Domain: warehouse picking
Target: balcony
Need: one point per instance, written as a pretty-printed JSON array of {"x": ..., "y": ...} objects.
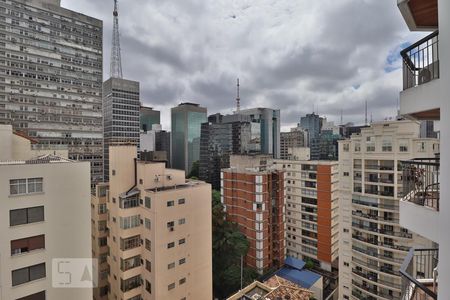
[
  {"x": 419, "y": 208},
  {"x": 420, "y": 98},
  {"x": 419, "y": 275}
]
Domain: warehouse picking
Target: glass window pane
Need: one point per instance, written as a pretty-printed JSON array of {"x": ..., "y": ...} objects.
[
  {"x": 17, "y": 217},
  {"x": 20, "y": 276},
  {"x": 36, "y": 214},
  {"x": 37, "y": 271}
]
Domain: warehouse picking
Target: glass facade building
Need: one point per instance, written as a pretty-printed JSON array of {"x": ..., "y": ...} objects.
[
  {"x": 148, "y": 118},
  {"x": 187, "y": 119}
]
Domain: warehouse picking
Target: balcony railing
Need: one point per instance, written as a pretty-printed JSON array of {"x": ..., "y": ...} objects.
[
  {"x": 419, "y": 275},
  {"x": 421, "y": 61},
  {"x": 421, "y": 182}
]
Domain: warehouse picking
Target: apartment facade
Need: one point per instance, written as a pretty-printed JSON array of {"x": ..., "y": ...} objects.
[
  {"x": 159, "y": 231},
  {"x": 99, "y": 229},
  {"x": 253, "y": 196},
  {"x": 372, "y": 243},
  {"x": 44, "y": 215},
  {"x": 187, "y": 119},
  {"x": 296, "y": 138},
  {"x": 312, "y": 211},
  {"x": 426, "y": 86},
  {"x": 121, "y": 116},
  {"x": 51, "y": 77}
]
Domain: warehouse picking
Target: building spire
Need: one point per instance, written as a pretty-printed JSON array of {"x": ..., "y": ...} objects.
[
  {"x": 238, "y": 99},
  {"x": 116, "y": 60}
]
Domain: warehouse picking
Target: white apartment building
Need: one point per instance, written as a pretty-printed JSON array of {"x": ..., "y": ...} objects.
[
  {"x": 44, "y": 214},
  {"x": 425, "y": 96},
  {"x": 372, "y": 244},
  {"x": 160, "y": 231}
]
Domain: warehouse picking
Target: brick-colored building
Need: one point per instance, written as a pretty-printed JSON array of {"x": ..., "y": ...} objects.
[{"x": 253, "y": 196}]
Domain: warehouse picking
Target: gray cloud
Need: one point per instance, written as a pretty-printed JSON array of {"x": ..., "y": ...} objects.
[{"x": 292, "y": 55}]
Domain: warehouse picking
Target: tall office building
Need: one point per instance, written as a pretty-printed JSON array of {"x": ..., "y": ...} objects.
[
  {"x": 148, "y": 118},
  {"x": 44, "y": 215},
  {"x": 426, "y": 86},
  {"x": 296, "y": 138},
  {"x": 325, "y": 146},
  {"x": 253, "y": 197},
  {"x": 51, "y": 77},
  {"x": 372, "y": 243},
  {"x": 427, "y": 129},
  {"x": 187, "y": 119},
  {"x": 121, "y": 107},
  {"x": 270, "y": 125},
  {"x": 159, "y": 225},
  {"x": 313, "y": 124}
]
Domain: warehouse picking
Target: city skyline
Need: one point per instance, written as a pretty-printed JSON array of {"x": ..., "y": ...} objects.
[{"x": 282, "y": 55}]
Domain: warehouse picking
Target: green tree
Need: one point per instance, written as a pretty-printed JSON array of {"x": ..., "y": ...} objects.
[
  {"x": 194, "y": 174},
  {"x": 229, "y": 244}
]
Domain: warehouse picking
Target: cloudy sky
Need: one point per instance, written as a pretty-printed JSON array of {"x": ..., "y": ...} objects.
[{"x": 296, "y": 55}]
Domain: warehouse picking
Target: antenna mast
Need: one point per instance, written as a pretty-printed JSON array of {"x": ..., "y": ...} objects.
[
  {"x": 116, "y": 60},
  {"x": 238, "y": 99},
  {"x": 365, "y": 123}
]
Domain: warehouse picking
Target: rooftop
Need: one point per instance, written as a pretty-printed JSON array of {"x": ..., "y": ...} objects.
[
  {"x": 175, "y": 187},
  {"x": 43, "y": 159},
  {"x": 294, "y": 271}
]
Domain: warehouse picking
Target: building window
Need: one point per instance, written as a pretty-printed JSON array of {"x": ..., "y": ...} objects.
[
  {"x": 130, "y": 222},
  {"x": 113, "y": 172},
  {"x": 26, "y": 215},
  {"x": 24, "y": 275},
  {"x": 170, "y": 203},
  {"x": 346, "y": 147},
  {"x": 102, "y": 208},
  {"x": 148, "y": 245},
  {"x": 357, "y": 147},
  {"x": 148, "y": 202},
  {"x": 130, "y": 243},
  {"x": 170, "y": 245},
  {"x": 182, "y": 241},
  {"x": 148, "y": 287},
  {"x": 403, "y": 145},
  {"x": 387, "y": 145},
  {"x": 182, "y": 261},
  {"x": 182, "y": 281},
  {"x": 346, "y": 174},
  {"x": 37, "y": 296},
  {"x": 27, "y": 244},
  {"x": 171, "y": 286},
  {"x": 181, "y": 201},
  {"x": 148, "y": 224},
  {"x": 171, "y": 266},
  {"x": 148, "y": 265},
  {"x": 182, "y": 221},
  {"x": 25, "y": 186}
]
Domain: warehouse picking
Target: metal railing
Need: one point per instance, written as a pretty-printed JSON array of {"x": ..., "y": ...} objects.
[
  {"x": 419, "y": 274},
  {"x": 421, "y": 61},
  {"x": 421, "y": 182}
]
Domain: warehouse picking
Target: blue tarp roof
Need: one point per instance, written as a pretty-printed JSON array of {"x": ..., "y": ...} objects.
[
  {"x": 304, "y": 278},
  {"x": 293, "y": 271},
  {"x": 294, "y": 263}
]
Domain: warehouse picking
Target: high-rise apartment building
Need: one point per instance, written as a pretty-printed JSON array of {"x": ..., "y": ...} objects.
[
  {"x": 44, "y": 215},
  {"x": 159, "y": 231},
  {"x": 187, "y": 119},
  {"x": 312, "y": 211},
  {"x": 372, "y": 243},
  {"x": 253, "y": 195},
  {"x": 149, "y": 117},
  {"x": 426, "y": 86},
  {"x": 296, "y": 138},
  {"x": 51, "y": 77},
  {"x": 121, "y": 118},
  {"x": 99, "y": 229},
  {"x": 270, "y": 124}
]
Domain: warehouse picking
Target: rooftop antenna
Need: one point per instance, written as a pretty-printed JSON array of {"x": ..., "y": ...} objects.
[
  {"x": 342, "y": 117},
  {"x": 238, "y": 99},
  {"x": 371, "y": 118},
  {"x": 365, "y": 121},
  {"x": 116, "y": 60}
]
